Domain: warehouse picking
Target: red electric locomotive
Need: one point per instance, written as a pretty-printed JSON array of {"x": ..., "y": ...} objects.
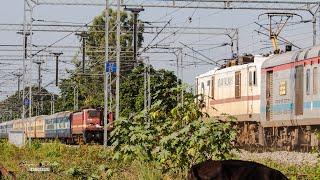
[{"x": 86, "y": 126}]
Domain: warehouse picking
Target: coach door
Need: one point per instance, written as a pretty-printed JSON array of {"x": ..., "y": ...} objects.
[
  {"x": 299, "y": 91},
  {"x": 269, "y": 95}
]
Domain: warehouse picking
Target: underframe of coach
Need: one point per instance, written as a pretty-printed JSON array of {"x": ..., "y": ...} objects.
[{"x": 282, "y": 135}]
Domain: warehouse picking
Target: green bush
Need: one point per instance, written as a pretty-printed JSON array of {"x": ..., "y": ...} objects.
[
  {"x": 36, "y": 144},
  {"x": 174, "y": 139}
]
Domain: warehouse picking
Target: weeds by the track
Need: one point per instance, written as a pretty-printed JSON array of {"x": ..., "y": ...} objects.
[{"x": 95, "y": 162}]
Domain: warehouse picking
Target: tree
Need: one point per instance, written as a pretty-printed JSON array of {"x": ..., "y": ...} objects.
[
  {"x": 12, "y": 106},
  {"x": 90, "y": 84},
  {"x": 164, "y": 87}
]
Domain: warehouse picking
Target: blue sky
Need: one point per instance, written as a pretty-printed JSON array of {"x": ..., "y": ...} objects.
[{"x": 250, "y": 41}]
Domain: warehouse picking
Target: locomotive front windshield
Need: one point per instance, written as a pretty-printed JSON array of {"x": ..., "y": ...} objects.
[{"x": 93, "y": 114}]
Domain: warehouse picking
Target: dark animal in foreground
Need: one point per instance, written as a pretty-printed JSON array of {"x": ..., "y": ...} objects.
[
  {"x": 233, "y": 170},
  {"x": 4, "y": 173}
]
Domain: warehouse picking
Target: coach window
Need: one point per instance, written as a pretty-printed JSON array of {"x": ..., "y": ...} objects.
[
  {"x": 212, "y": 87},
  {"x": 308, "y": 82},
  {"x": 238, "y": 84},
  {"x": 283, "y": 88},
  {"x": 202, "y": 88},
  {"x": 252, "y": 78},
  {"x": 197, "y": 86},
  {"x": 315, "y": 80},
  {"x": 202, "y": 91}
]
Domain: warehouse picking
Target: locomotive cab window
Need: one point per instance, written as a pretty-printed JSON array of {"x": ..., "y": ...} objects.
[{"x": 93, "y": 113}]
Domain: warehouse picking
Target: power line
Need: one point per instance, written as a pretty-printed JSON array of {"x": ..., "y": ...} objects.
[
  {"x": 211, "y": 61},
  {"x": 148, "y": 46}
]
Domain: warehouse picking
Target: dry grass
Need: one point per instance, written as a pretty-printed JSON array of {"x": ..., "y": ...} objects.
[{"x": 94, "y": 162}]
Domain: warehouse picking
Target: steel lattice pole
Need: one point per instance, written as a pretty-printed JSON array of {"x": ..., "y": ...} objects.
[
  {"x": 106, "y": 76},
  {"x": 118, "y": 62}
]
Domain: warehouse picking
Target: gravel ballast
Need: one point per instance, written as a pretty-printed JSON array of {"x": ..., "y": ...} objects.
[{"x": 283, "y": 157}]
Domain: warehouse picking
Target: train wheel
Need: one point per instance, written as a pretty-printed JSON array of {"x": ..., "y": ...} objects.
[
  {"x": 85, "y": 138},
  {"x": 80, "y": 140}
]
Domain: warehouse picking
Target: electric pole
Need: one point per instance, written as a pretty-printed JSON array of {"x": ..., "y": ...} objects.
[
  {"x": 109, "y": 68},
  {"x": 83, "y": 35},
  {"x": 27, "y": 70},
  {"x": 57, "y": 66},
  {"x": 147, "y": 88},
  {"x": 314, "y": 24},
  {"x": 135, "y": 12},
  {"x": 52, "y": 103},
  {"x": 181, "y": 74},
  {"x": 39, "y": 74},
  {"x": 178, "y": 72},
  {"x": 75, "y": 97},
  {"x": 19, "y": 75},
  {"x": 25, "y": 34},
  {"x": 179, "y": 64},
  {"x": 118, "y": 62},
  {"x": 106, "y": 77},
  {"x": 39, "y": 97},
  {"x": 149, "y": 85}
]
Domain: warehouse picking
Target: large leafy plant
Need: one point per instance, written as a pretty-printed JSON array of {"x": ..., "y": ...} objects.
[{"x": 175, "y": 138}]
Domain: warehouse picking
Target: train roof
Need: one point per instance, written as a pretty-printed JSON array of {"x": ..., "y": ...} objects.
[
  {"x": 32, "y": 118},
  {"x": 59, "y": 114},
  {"x": 292, "y": 56},
  {"x": 3, "y": 123},
  {"x": 258, "y": 59}
]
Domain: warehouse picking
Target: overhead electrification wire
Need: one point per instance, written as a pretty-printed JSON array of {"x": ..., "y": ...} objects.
[
  {"x": 32, "y": 55},
  {"x": 155, "y": 37},
  {"x": 210, "y": 60}
]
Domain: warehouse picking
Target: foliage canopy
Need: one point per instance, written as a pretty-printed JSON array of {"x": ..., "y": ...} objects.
[{"x": 175, "y": 139}]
